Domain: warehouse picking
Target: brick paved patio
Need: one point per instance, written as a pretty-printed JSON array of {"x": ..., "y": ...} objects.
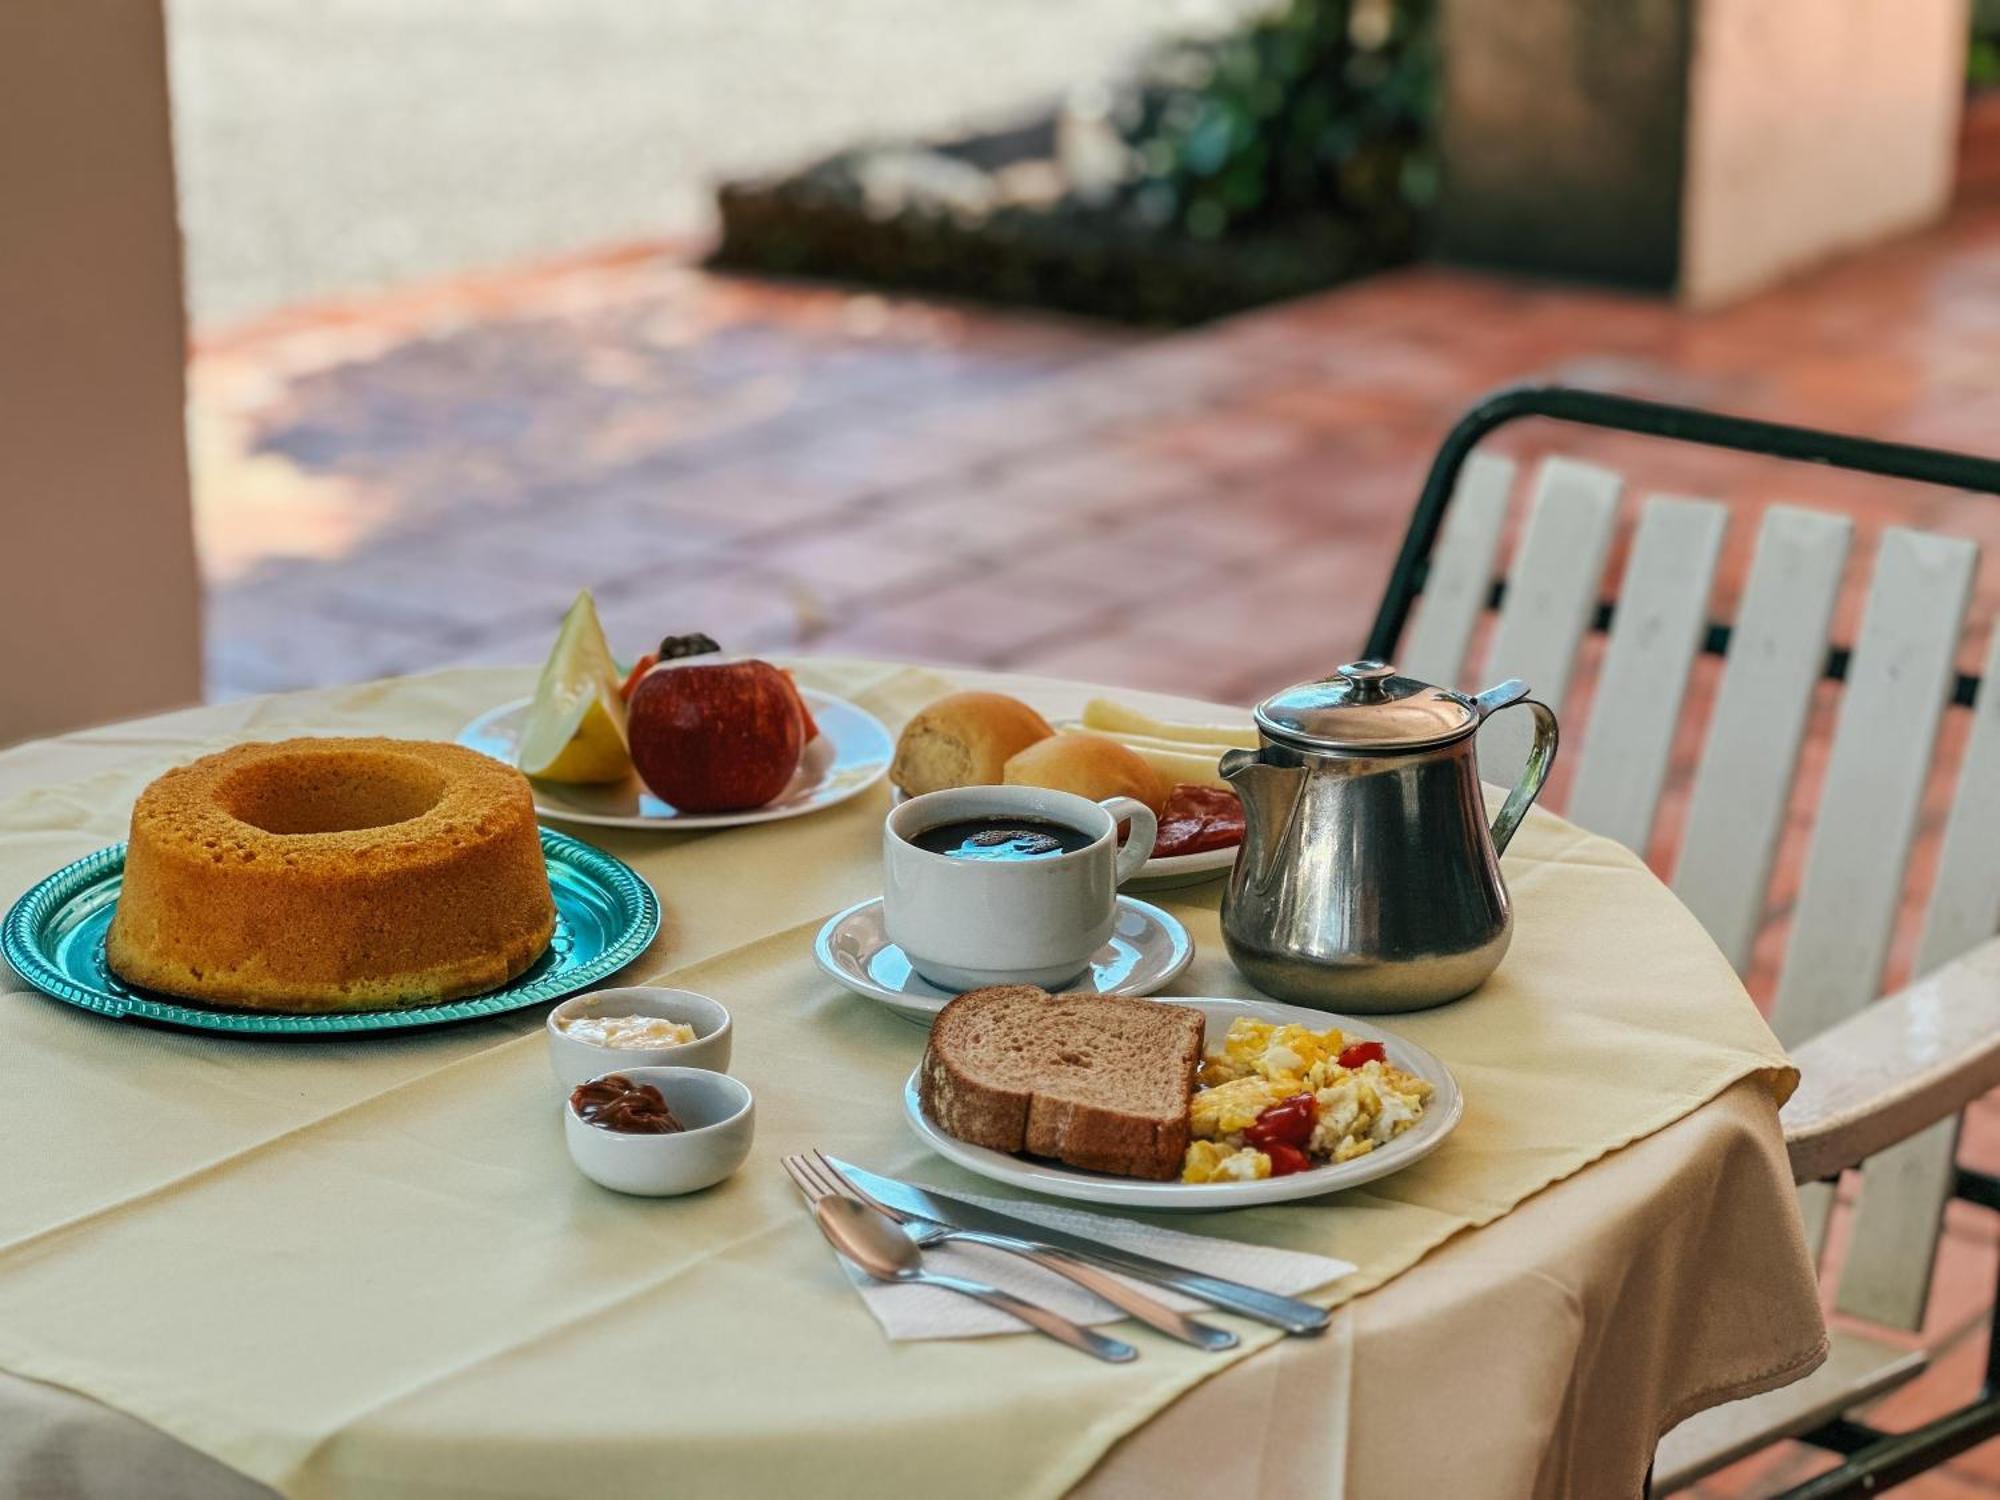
[
  {"x": 409, "y": 484},
  {"x": 430, "y": 481}
]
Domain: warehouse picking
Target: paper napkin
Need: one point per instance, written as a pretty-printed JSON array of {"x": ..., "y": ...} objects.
[{"x": 921, "y": 1312}]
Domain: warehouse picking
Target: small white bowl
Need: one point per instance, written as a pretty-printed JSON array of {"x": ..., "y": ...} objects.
[
  {"x": 720, "y": 1118},
  {"x": 577, "y": 1061}
]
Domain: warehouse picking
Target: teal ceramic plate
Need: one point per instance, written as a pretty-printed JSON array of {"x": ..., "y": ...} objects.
[{"x": 54, "y": 938}]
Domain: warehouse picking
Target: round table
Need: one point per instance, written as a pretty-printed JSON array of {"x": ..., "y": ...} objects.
[{"x": 1541, "y": 1354}]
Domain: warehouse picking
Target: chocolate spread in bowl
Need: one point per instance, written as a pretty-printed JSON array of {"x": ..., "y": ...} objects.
[{"x": 615, "y": 1102}]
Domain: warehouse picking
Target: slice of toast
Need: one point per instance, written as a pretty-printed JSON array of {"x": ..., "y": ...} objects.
[{"x": 1096, "y": 1082}]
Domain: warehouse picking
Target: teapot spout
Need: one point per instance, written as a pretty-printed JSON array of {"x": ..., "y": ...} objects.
[{"x": 1268, "y": 793}]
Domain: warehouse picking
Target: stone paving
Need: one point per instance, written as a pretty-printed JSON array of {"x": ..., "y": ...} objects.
[{"x": 428, "y": 481}]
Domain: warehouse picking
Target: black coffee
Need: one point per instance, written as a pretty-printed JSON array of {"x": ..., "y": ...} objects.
[{"x": 992, "y": 838}]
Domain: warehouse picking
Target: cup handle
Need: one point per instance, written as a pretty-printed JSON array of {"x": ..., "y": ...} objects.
[{"x": 1145, "y": 831}]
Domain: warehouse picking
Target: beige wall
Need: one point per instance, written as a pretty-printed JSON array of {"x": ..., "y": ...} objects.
[
  {"x": 1814, "y": 126},
  {"x": 99, "y": 601}
]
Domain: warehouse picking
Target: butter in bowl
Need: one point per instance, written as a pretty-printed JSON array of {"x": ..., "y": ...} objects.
[{"x": 638, "y": 1026}]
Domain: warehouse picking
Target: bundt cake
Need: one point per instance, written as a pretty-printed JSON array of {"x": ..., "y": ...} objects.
[{"x": 332, "y": 874}]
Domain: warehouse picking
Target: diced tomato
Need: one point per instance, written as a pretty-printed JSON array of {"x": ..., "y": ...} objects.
[
  {"x": 640, "y": 668},
  {"x": 1289, "y": 1122},
  {"x": 1286, "y": 1160},
  {"x": 1363, "y": 1052}
]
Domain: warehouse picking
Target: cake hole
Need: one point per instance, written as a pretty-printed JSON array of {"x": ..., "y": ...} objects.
[{"x": 336, "y": 791}]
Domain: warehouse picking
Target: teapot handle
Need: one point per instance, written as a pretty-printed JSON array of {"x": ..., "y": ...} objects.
[{"x": 1541, "y": 755}]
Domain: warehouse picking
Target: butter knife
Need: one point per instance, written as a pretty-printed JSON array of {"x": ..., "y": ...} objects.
[{"x": 1288, "y": 1313}]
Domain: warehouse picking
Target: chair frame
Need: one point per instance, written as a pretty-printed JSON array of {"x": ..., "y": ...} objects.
[{"x": 1874, "y": 1459}]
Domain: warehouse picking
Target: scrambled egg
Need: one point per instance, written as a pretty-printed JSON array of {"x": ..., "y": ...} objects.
[
  {"x": 1261, "y": 1063},
  {"x": 1229, "y": 1108},
  {"x": 1209, "y": 1162},
  {"x": 1266, "y": 1049}
]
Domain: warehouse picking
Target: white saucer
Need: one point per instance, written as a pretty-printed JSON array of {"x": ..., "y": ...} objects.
[
  {"x": 1148, "y": 949},
  {"x": 1059, "y": 1181},
  {"x": 851, "y": 753}
]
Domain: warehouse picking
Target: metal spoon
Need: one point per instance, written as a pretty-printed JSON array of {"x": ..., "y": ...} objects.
[{"x": 884, "y": 1252}]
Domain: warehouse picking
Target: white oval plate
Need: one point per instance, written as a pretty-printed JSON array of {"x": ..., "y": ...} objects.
[
  {"x": 1059, "y": 1181},
  {"x": 1147, "y": 951},
  {"x": 1163, "y": 874},
  {"x": 850, "y": 754}
]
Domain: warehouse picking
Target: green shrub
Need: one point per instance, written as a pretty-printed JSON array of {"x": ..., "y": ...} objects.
[
  {"x": 1982, "y": 64},
  {"x": 1323, "y": 109}
]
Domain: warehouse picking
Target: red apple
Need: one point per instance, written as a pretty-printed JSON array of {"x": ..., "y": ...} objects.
[{"x": 715, "y": 736}]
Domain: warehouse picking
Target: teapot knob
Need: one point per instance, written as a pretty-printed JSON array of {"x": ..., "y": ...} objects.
[{"x": 1366, "y": 679}]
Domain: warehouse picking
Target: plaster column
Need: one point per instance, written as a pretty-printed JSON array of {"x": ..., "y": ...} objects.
[
  {"x": 1703, "y": 147},
  {"x": 1813, "y": 129},
  {"x": 100, "y": 600}
]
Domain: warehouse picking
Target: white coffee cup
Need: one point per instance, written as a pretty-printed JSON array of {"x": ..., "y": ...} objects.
[{"x": 964, "y": 923}]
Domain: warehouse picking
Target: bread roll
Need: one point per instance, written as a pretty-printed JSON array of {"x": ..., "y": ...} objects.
[
  {"x": 964, "y": 739},
  {"x": 1171, "y": 762},
  {"x": 1090, "y": 766}
]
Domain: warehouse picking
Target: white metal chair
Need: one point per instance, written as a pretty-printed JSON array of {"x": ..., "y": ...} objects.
[{"x": 1884, "y": 1079}]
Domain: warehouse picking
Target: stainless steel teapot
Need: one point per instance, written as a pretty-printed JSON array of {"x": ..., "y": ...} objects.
[{"x": 1368, "y": 879}]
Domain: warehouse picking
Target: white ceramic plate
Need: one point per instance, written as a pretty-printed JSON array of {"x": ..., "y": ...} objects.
[
  {"x": 1147, "y": 951},
  {"x": 850, "y": 754},
  {"x": 1159, "y": 874},
  {"x": 1176, "y": 870},
  {"x": 1059, "y": 1181}
]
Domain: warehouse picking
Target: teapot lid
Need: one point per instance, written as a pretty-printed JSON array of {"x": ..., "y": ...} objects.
[{"x": 1366, "y": 706}]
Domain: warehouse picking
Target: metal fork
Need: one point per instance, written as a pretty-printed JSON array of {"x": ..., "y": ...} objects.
[
  {"x": 874, "y": 1244},
  {"x": 1128, "y": 1299}
]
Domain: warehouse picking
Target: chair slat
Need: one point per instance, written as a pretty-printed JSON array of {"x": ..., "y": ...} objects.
[
  {"x": 1662, "y": 608},
  {"x": 1964, "y": 908},
  {"x": 1743, "y": 785},
  {"x": 1901, "y": 1209},
  {"x": 1886, "y": 1277},
  {"x": 1897, "y": 684},
  {"x": 1551, "y": 591},
  {"x": 1461, "y": 572}
]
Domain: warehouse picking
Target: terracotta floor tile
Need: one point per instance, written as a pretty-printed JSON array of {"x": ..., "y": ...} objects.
[
  {"x": 1131, "y": 658},
  {"x": 1798, "y": 1464},
  {"x": 1950, "y": 1381},
  {"x": 259, "y": 645},
  {"x": 1763, "y": 1473},
  {"x": 1001, "y": 614},
  {"x": 870, "y": 563},
  {"x": 1230, "y": 442},
  {"x": 1962, "y": 1280},
  {"x": 1980, "y": 1466},
  {"x": 969, "y": 520},
  {"x": 1952, "y": 1483},
  {"x": 1089, "y": 482},
  {"x": 745, "y": 611}
]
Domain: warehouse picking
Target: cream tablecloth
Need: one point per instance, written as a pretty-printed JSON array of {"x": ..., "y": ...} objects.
[{"x": 365, "y": 1267}]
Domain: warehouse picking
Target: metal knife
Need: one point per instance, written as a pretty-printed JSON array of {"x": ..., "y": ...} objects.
[{"x": 1288, "y": 1313}]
